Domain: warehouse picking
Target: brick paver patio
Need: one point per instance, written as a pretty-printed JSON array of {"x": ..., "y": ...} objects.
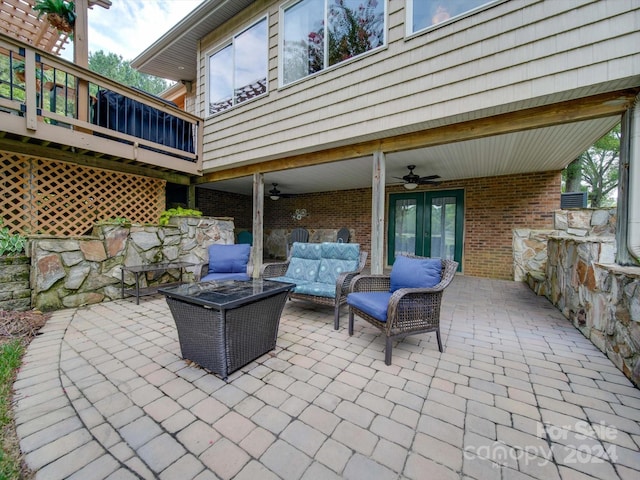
[{"x": 518, "y": 394}]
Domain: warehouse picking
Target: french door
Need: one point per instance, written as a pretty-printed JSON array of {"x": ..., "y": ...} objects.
[{"x": 429, "y": 224}]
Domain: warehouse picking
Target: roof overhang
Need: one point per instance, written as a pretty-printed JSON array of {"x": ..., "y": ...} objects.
[{"x": 174, "y": 56}]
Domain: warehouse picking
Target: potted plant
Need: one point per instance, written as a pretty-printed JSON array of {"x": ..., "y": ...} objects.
[{"x": 61, "y": 14}]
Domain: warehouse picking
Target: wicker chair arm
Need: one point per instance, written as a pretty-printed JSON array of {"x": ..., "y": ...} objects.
[
  {"x": 204, "y": 269},
  {"x": 343, "y": 282},
  {"x": 276, "y": 269},
  {"x": 370, "y": 283},
  {"x": 411, "y": 307}
]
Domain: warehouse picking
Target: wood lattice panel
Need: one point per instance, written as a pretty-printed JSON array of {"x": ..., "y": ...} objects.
[
  {"x": 15, "y": 199},
  {"x": 56, "y": 198}
]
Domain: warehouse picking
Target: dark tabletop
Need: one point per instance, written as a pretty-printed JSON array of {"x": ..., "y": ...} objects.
[{"x": 226, "y": 294}]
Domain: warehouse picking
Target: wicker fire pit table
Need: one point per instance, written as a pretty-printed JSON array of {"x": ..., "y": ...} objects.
[{"x": 224, "y": 325}]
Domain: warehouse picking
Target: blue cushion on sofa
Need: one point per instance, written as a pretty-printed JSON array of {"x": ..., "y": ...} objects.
[
  {"x": 310, "y": 251},
  {"x": 373, "y": 303},
  {"x": 341, "y": 251},
  {"x": 317, "y": 289},
  {"x": 415, "y": 272},
  {"x": 303, "y": 269},
  {"x": 330, "y": 269},
  {"x": 229, "y": 258}
]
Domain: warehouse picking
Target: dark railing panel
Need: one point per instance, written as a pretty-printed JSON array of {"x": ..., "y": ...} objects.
[{"x": 126, "y": 115}]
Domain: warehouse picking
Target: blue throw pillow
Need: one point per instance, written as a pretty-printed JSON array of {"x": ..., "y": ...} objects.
[
  {"x": 415, "y": 272},
  {"x": 229, "y": 258}
]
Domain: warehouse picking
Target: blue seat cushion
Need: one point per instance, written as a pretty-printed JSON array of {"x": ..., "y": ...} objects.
[
  {"x": 224, "y": 276},
  {"x": 229, "y": 258},
  {"x": 286, "y": 279},
  {"x": 415, "y": 272},
  {"x": 303, "y": 269},
  {"x": 317, "y": 289},
  {"x": 372, "y": 303}
]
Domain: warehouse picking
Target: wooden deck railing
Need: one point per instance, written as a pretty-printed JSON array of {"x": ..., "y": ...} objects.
[{"x": 54, "y": 101}]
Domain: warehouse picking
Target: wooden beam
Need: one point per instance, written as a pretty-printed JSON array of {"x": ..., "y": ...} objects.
[
  {"x": 377, "y": 213},
  {"x": 30, "y": 149},
  {"x": 588, "y": 108},
  {"x": 258, "y": 223}
]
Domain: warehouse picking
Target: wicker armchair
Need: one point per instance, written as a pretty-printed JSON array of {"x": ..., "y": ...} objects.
[{"x": 409, "y": 311}]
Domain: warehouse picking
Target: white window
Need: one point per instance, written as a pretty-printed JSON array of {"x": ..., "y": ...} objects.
[
  {"x": 422, "y": 14},
  {"x": 238, "y": 71},
  {"x": 320, "y": 33}
]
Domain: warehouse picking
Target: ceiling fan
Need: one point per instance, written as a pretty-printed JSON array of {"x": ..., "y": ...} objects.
[
  {"x": 412, "y": 180},
  {"x": 275, "y": 194}
]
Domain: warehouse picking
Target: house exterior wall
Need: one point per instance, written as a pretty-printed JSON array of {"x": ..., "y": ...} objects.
[
  {"x": 494, "y": 207},
  {"x": 491, "y": 62},
  {"x": 218, "y": 204}
]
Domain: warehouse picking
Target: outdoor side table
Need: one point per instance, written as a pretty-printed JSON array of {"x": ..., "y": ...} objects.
[
  {"x": 138, "y": 270},
  {"x": 224, "y": 325}
]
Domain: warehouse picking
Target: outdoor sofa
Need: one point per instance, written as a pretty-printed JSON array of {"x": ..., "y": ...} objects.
[{"x": 321, "y": 272}]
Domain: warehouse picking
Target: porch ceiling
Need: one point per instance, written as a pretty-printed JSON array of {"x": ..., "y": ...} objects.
[{"x": 536, "y": 150}]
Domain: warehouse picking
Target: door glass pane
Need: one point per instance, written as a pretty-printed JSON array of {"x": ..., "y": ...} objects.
[
  {"x": 443, "y": 227},
  {"x": 405, "y": 227}
]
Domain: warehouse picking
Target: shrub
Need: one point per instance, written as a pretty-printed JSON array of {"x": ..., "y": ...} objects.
[
  {"x": 10, "y": 244},
  {"x": 178, "y": 212}
]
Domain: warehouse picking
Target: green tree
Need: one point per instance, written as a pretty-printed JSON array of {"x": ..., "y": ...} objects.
[
  {"x": 572, "y": 177},
  {"x": 116, "y": 68},
  {"x": 597, "y": 168}
]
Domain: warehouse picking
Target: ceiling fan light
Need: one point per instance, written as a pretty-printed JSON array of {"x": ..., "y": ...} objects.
[
  {"x": 410, "y": 185},
  {"x": 274, "y": 193}
]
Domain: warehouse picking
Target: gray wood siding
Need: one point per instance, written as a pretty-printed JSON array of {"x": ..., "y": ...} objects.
[{"x": 518, "y": 54}]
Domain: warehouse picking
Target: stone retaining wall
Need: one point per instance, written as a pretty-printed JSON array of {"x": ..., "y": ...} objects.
[
  {"x": 71, "y": 272},
  {"x": 15, "y": 293},
  {"x": 530, "y": 246},
  {"x": 600, "y": 298}
]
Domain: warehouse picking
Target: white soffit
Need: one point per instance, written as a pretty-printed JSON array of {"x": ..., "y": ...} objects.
[{"x": 538, "y": 150}]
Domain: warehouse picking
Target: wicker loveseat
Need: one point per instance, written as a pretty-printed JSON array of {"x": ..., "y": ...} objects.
[
  {"x": 406, "y": 302},
  {"x": 322, "y": 272}
]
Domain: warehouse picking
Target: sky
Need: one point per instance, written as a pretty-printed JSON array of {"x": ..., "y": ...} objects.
[{"x": 130, "y": 26}]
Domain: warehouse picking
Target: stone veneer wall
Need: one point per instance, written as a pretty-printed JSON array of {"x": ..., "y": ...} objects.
[
  {"x": 600, "y": 298},
  {"x": 71, "y": 272},
  {"x": 14, "y": 283},
  {"x": 530, "y": 245}
]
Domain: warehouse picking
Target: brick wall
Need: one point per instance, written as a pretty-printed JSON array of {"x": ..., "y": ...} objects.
[
  {"x": 494, "y": 206},
  {"x": 221, "y": 204}
]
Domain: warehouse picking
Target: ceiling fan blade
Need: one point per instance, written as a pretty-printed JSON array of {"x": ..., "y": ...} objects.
[{"x": 429, "y": 177}]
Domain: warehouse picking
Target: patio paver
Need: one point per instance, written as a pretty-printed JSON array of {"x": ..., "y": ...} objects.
[{"x": 518, "y": 393}]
